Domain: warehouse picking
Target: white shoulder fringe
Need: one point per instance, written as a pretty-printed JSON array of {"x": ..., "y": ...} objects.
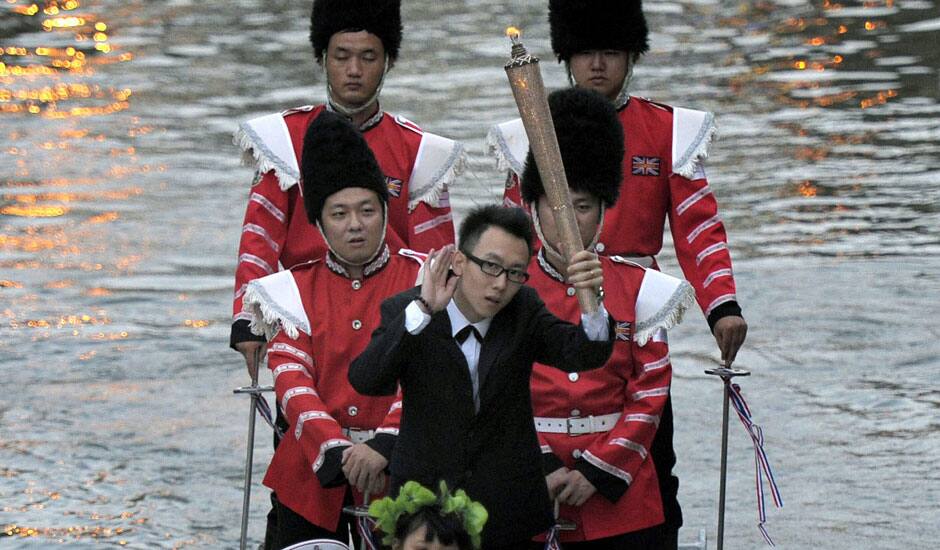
[
  {"x": 266, "y": 145},
  {"x": 660, "y": 304},
  {"x": 274, "y": 303},
  {"x": 509, "y": 144},
  {"x": 692, "y": 133},
  {"x": 437, "y": 165}
]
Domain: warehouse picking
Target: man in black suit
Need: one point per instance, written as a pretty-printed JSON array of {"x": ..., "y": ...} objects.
[{"x": 462, "y": 346}]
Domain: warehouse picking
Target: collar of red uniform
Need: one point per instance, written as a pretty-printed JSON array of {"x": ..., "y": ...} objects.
[
  {"x": 373, "y": 121},
  {"x": 547, "y": 267},
  {"x": 370, "y": 268}
]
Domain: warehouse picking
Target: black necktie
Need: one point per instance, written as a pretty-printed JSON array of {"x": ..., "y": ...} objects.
[{"x": 465, "y": 332}]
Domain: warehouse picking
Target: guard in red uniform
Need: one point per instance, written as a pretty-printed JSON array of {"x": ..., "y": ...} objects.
[
  {"x": 664, "y": 177},
  {"x": 318, "y": 316},
  {"x": 596, "y": 427},
  {"x": 356, "y": 42}
]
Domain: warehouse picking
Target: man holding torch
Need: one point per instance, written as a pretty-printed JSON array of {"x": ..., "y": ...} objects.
[
  {"x": 596, "y": 427},
  {"x": 600, "y": 41}
]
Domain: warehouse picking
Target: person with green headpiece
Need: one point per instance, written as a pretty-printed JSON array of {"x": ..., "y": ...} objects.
[{"x": 419, "y": 519}]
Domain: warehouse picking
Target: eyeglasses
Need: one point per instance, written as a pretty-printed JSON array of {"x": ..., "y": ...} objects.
[{"x": 495, "y": 270}]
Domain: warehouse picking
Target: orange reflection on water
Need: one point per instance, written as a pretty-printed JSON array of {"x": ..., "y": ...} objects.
[
  {"x": 90, "y": 47},
  {"x": 33, "y": 211},
  {"x": 807, "y": 189}
]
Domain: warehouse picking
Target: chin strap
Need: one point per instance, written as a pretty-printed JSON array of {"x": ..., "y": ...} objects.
[
  {"x": 547, "y": 247},
  {"x": 375, "y": 254},
  {"x": 350, "y": 111}
]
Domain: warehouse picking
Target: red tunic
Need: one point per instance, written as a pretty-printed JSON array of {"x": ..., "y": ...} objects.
[
  {"x": 634, "y": 383},
  {"x": 653, "y": 189},
  {"x": 276, "y": 234},
  {"x": 310, "y": 372}
]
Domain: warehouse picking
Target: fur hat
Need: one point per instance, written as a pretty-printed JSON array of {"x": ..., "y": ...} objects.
[
  {"x": 579, "y": 25},
  {"x": 336, "y": 156},
  {"x": 591, "y": 141},
  {"x": 379, "y": 17}
]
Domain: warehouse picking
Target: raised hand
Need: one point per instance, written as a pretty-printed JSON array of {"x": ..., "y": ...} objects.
[{"x": 438, "y": 285}]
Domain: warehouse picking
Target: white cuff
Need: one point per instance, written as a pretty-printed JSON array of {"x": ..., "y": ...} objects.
[
  {"x": 415, "y": 318},
  {"x": 595, "y": 324}
]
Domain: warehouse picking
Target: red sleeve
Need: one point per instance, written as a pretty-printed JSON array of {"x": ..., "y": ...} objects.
[
  {"x": 295, "y": 385},
  {"x": 619, "y": 454},
  {"x": 264, "y": 232},
  {"x": 430, "y": 227},
  {"x": 700, "y": 240}
]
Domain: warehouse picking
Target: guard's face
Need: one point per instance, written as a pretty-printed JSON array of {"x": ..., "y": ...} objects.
[
  {"x": 600, "y": 70},
  {"x": 587, "y": 210},
  {"x": 479, "y": 294},
  {"x": 352, "y": 222},
  {"x": 354, "y": 63}
]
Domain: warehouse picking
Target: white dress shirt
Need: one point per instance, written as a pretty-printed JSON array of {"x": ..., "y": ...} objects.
[{"x": 594, "y": 324}]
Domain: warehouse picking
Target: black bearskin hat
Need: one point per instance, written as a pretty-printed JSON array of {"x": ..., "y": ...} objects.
[
  {"x": 336, "y": 156},
  {"x": 579, "y": 25},
  {"x": 591, "y": 141},
  {"x": 379, "y": 17}
]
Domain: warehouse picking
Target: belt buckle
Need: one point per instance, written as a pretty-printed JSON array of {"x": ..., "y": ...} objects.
[{"x": 569, "y": 427}]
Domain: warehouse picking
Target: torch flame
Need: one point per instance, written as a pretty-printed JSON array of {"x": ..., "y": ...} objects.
[{"x": 513, "y": 33}]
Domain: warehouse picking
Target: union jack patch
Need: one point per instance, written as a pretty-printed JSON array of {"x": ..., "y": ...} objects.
[
  {"x": 646, "y": 166},
  {"x": 622, "y": 330},
  {"x": 394, "y": 186}
]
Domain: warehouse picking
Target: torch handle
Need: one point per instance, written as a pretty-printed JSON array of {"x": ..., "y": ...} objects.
[{"x": 529, "y": 92}]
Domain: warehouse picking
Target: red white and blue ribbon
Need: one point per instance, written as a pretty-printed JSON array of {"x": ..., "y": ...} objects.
[
  {"x": 366, "y": 527},
  {"x": 265, "y": 411},
  {"x": 551, "y": 540},
  {"x": 761, "y": 464}
]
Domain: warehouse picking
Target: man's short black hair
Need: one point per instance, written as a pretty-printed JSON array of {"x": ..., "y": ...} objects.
[{"x": 512, "y": 220}]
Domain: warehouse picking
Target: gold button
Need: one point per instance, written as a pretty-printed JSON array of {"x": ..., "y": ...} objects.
[
  {"x": 357, "y": 284},
  {"x": 357, "y": 324}
]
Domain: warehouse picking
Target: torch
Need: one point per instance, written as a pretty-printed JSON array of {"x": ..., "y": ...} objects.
[{"x": 525, "y": 79}]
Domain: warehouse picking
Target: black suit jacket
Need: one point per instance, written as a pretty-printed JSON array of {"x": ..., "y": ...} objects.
[{"x": 494, "y": 454}]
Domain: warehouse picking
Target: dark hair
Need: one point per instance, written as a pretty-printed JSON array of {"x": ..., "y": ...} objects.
[
  {"x": 512, "y": 220},
  {"x": 447, "y": 528}
]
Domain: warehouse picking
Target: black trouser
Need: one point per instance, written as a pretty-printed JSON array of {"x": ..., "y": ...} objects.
[
  {"x": 293, "y": 528},
  {"x": 270, "y": 530},
  {"x": 664, "y": 458},
  {"x": 645, "y": 539}
]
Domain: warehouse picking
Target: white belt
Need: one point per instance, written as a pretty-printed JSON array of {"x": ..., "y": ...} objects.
[
  {"x": 577, "y": 425},
  {"x": 358, "y": 436}
]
